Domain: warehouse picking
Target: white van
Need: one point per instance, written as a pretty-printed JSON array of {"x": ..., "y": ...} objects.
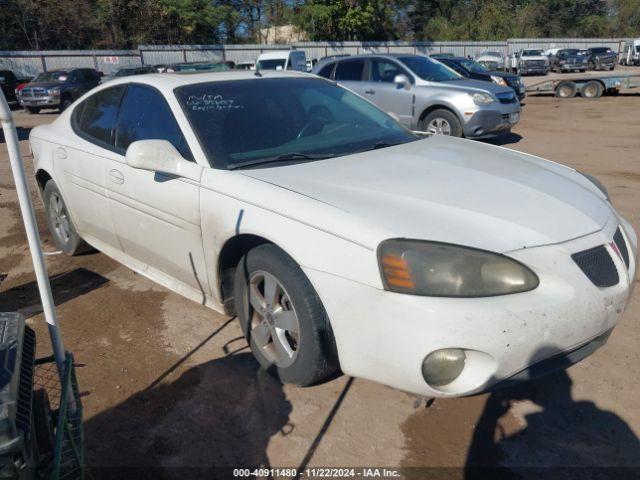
[
  {"x": 630, "y": 54},
  {"x": 283, "y": 60}
]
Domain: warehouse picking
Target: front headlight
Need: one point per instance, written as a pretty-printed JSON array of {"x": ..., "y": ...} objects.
[
  {"x": 481, "y": 98},
  {"x": 54, "y": 92},
  {"x": 498, "y": 80},
  {"x": 597, "y": 183},
  {"x": 444, "y": 270}
]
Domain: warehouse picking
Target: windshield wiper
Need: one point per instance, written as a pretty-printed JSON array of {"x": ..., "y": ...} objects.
[{"x": 285, "y": 157}]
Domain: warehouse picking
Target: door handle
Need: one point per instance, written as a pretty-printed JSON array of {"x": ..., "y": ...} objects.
[
  {"x": 61, "y": 153},
  {"x": 116, "y": 176},
  {"x": 369, "y": 92}
]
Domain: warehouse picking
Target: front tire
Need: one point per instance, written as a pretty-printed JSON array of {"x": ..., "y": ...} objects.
[
  {"x": 65, "y": 102},
  {"x": 283, "y": 318},
  {"x": 441, "y": 122},
  {"x": 59, "y": 222}
]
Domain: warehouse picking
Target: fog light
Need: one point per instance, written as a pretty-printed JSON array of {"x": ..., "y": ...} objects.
[{"x": 443, "y": 366}]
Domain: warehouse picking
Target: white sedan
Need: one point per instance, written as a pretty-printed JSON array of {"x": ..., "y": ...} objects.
[{"x": 341, "y": 240}]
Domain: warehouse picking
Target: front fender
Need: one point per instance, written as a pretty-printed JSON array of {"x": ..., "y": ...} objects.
[{"x": 233, "y": 204}]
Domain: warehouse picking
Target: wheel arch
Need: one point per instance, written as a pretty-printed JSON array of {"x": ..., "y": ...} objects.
[
  {"x": 42, "y": 177},
  {"x": 439, "y": 106},
  {"x": 232, "y": 251}
]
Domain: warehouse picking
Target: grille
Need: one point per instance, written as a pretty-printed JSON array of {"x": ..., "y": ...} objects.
[
  {"x": 597, "y": 265},
  {"x": 534, "y": 63},
  {"x": 34, "y": 92},
  {"x": 618, "y": 238}
]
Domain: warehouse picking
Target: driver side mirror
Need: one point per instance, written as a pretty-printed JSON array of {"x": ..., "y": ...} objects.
[
  {"x": 402, "y": 81},
  {"x": 161, "y": 156}
]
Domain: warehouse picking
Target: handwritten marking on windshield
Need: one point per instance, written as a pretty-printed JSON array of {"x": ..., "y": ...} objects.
[{"x": 208, "y": 102}]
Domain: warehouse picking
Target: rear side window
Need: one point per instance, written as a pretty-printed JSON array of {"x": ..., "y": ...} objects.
[
  {"x": 145, "y": 115},
  {"x": 326, "y": 71},
  {"x": 350, "y": 70},
  {"x": 95, "y": 118}
]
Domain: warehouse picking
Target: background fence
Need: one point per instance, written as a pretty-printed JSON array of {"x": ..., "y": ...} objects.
[{"x": 30, "y": 63}]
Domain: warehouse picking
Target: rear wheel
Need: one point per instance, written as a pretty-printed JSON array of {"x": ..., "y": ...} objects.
[
  {"x": 33, "y": 110},
  {"x": 592, "y": 89},
  {"x": 441, "y": 122},
  {"x": 282, "y": 317},
  {"x": 566, "y": 90},
  {"x": 59, "y": 222}
]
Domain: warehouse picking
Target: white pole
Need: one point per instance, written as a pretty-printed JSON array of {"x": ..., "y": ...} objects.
[{"x": 30, "y": 225}]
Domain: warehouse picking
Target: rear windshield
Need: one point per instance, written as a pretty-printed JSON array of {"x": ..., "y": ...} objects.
[
  {"x": 251, "y": 122},
  {"x": 428, "y": 69}
]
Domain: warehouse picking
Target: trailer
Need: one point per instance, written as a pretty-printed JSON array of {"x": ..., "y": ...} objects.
[{"x": 587, "y": 85}]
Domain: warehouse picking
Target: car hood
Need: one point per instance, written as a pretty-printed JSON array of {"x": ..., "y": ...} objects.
[
  {"x": 481, "y": 85},
  {"x": 535, "y": 57},
  {"x": 44, "y": 84},
  {"x": 451, "y": 190}
]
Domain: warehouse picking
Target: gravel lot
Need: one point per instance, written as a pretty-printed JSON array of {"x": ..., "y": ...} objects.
[{"x": 168, "y": 384}]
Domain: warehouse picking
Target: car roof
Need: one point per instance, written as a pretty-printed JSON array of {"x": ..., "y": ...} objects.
[
  {"x": 169, "y": 81},
  {"x": 276, "y": 55}
]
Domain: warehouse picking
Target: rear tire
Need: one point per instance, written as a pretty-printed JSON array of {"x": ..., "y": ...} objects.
[
  {"x": 33, "y": 110},
  {"x": 283, "y": 318},
  {"x": 592, "y": 89},
  {"x": 59, "y": 222},
  {"x": 441, "y": 122}
]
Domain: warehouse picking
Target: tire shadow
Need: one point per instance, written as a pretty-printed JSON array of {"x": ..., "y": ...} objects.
[{"x": 215, "y": 417}]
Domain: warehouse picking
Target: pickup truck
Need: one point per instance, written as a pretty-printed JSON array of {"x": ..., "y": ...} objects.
[
  {"x": 57, "y": 88},
  {"x": 9, "y": 82}
]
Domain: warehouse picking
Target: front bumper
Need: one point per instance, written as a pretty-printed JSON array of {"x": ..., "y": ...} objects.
[
  {"x": 493, "y": 120},
  {"x": 385, "y": 336},
  {"x": 604, "y": 64},
  {"x": 533, "y": 70},
  {"x": 41, "y": 102},
  {"x": 572, "y": 67}
]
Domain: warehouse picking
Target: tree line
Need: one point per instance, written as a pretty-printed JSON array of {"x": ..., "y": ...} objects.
[{"x": 124, "y": 24}]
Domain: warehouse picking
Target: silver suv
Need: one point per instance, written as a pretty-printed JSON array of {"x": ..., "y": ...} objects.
[{"x": 426, "y": 95}]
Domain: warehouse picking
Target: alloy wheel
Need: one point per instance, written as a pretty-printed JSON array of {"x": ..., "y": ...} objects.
[
  {"x": 59, "y": 218},
  {"x": 274, "y": 326},
  {"x": 439, "y": 126}
]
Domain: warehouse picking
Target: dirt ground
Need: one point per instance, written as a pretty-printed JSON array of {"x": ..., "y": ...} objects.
[{"x": 169, "y": 385}]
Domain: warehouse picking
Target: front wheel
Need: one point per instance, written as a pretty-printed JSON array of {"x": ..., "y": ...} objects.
[
  {"x": 59, "y": 222},
  {"x": 441, "y": 122},
  {"x": 283, "y": 318},
  {"x": 65, "y": 102}
]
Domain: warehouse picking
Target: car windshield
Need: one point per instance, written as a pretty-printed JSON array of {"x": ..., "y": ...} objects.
[
  {"x": 601, "y": 50},
  {"x": 429, "y": 70},
  {"x": 532, "y": 53},
  {"x": 568, "y": 52},
  {"x": 273, "y": 120},
  {"x": 58, "y": 76},
  {"x": 473, "y": 67},
  {"x": 491, "y": 54},
  {"x": 271, "y": 64}
]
